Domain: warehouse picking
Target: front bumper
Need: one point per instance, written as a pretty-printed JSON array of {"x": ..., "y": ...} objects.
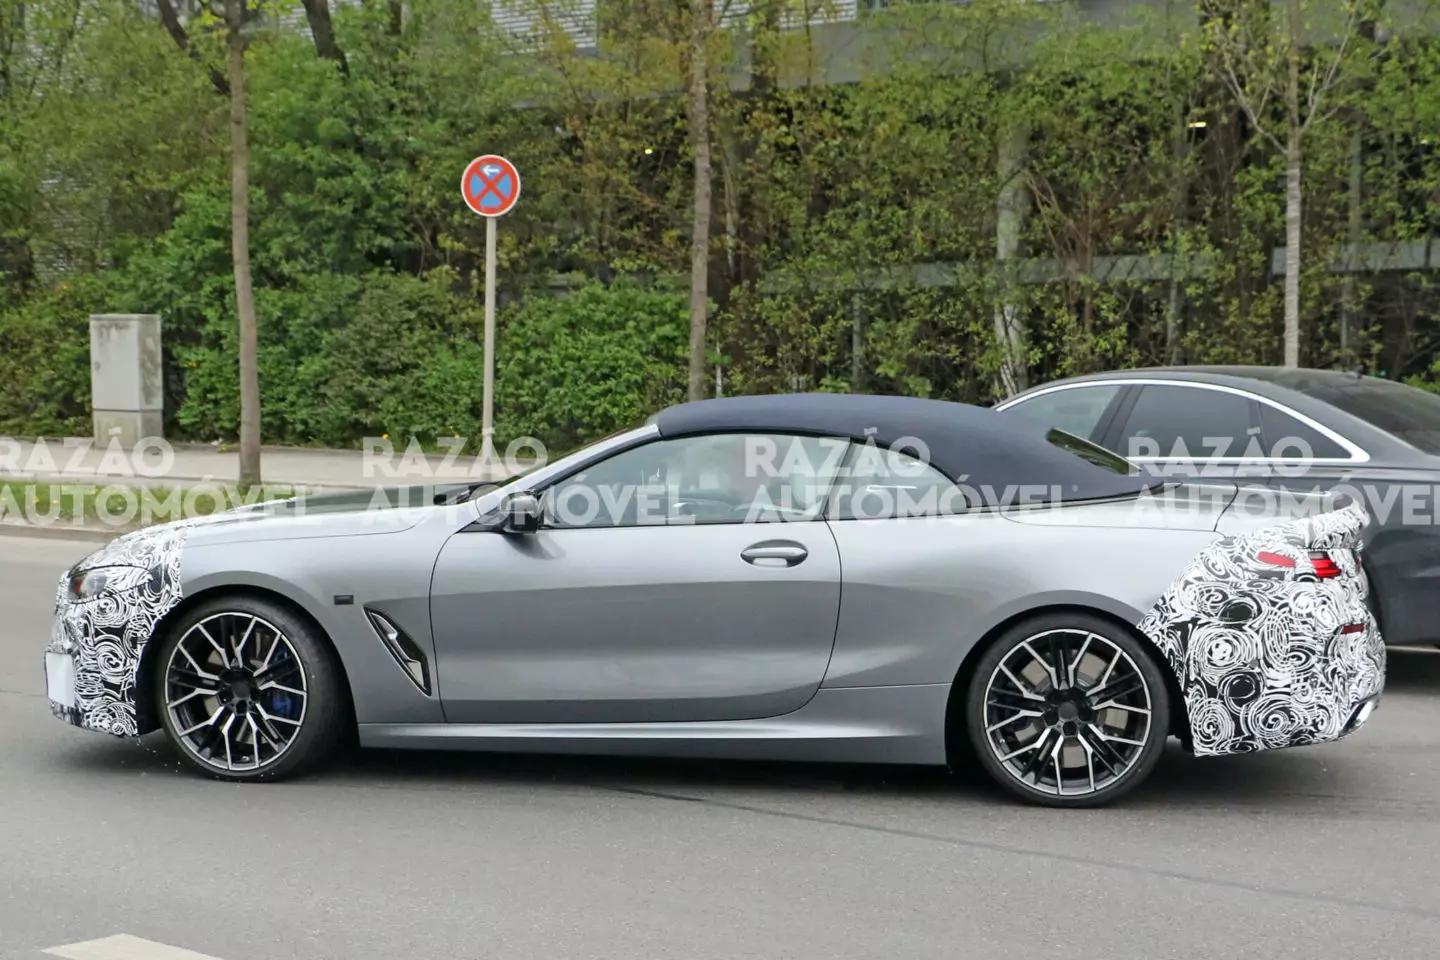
[
  {"x": 92, "y": 664},
  {"x": 91, "y": 669}
]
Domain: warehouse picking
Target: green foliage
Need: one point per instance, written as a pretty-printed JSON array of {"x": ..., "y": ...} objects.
[
  {"x": 579, "y": 367},
  {"x": 45, "y": 361},
  {"x": 854, "y": 222}
]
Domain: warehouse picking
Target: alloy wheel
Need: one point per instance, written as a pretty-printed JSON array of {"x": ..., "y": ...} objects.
[
  {"x": 1068, "y": 713},
  {"x": 236, "y": 692}
]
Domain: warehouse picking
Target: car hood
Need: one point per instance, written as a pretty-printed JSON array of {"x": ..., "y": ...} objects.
[{"x": 347, "y": 513}]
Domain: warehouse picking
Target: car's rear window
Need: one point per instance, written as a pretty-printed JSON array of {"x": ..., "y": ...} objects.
[{"x": 1406, "y": 412}]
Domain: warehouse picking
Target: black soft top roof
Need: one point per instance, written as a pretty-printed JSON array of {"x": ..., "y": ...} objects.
[{"x": 975, "y": 447}]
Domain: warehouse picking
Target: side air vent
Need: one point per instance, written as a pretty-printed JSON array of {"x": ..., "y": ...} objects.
[{"x": 403, "y": 649}]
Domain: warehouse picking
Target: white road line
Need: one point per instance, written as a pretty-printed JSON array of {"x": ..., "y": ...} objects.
[{"x": 122, "y": 946}]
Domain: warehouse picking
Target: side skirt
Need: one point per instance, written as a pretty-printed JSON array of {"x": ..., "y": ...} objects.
[{"x": 903, "y": 725}]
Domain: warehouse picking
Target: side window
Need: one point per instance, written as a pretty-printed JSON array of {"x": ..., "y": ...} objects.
[
  {"x": 713, "y": 478},
  {"x": 1289, "y": 439},
  {"x": 1076, "y": 410},
  {"x": 880, "y": 483},
  {"x": 1184, "y": 423}
]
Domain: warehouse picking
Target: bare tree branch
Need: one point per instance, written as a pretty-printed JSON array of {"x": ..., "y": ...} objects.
[
  {"x": 1320, "y": 87},
  {"x": 171, "y": 21}
]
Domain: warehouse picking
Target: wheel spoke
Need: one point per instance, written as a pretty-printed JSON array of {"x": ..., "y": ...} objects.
[
  {"x": 1075, "y": 664},
  {"x": 1089, "y": 759},
  {"x": 1012, "y": 701},
  {"x": 1114, "y": 691},
  {"x": 207, "y": 722},
  {"x": 274, "y": 719},
  {"x": 240, "y": 646},
  {"x": 1022, "y": 715},
  {"x": 1059, "y": 667},
  {"x": 254, "y": 738},
  {"x": 1105, "y": 752},
  {"x": 1054, "y": 680},
  {"x": 1024, "y": 688},
  {"x": 225, "y": 736},
  {"x": 199, "y": 670},
  {"x": 1036, "y": 763},
  {"x": 268, "y": 678},
  {"x": 172, "y": 704},
  {"x": 195, "y": 681},
  {"x": 224, "y": 658},
  {"x": 1124, "y": 706},
  {"x": 283, "y": 689},
  {"x": 1055, "y": 762}
]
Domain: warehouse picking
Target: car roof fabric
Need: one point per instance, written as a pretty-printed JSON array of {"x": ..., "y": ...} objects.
[{"x": 975, "y": 447}]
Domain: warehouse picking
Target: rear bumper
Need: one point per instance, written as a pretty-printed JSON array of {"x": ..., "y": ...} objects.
[{"x": 1267, "y": 661}]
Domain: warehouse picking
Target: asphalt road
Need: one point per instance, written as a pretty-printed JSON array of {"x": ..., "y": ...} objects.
[{"x": 1318, "y": 852}]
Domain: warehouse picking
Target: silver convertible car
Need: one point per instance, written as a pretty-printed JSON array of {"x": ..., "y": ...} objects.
[{"x": 812, "y": 577}]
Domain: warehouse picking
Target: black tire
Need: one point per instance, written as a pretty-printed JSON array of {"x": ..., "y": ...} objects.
[
  {"x": 185, "y": 679},
  {"x": 1121, "y": 741}
]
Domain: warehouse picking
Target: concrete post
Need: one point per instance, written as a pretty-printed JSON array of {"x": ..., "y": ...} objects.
[{"x": 126, "y": 377}]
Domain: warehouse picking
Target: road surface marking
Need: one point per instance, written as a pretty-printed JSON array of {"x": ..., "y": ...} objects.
[{"x": 124, "y": 947}]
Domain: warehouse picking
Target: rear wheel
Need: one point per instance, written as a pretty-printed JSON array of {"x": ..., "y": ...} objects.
[
  {"x": 247, "y": 691},
  {"x": 1068, "y": 710}
]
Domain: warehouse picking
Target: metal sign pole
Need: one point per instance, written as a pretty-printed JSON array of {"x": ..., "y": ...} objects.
[
  {"x": 490, "y": 187},
  {"x": 487, "y": 428}
]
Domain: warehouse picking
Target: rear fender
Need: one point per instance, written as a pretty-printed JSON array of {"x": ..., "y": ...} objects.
[{"x": 1271, "y": 656}]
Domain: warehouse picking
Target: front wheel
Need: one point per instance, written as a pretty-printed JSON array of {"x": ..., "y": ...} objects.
[
  {"x": 248, "y": 691},
  {"x": 1068, "y": 710}
]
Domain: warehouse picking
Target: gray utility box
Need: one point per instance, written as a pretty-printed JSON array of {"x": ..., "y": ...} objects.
[{"x": 126, "y": 377}]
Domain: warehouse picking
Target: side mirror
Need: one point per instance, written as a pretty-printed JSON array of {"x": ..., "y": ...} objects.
[{"x": 522, "y": 513}]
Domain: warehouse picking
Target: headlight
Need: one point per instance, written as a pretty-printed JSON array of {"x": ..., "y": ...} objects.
[{"x": 91, "y": 583}]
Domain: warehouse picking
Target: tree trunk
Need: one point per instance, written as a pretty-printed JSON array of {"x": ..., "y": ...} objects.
[
  {"x": 1293, "y": 220},
  {"x": 240, "y": 249},
  {"x": 700, "y": 231},
  {"x": 322, "y": 29},
  {"x": 1010, "y": 211},
  {"x": 1354, "y": 233}
]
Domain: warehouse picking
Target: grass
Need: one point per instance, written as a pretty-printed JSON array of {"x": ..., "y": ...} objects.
[{"x": 122, "y": 507}]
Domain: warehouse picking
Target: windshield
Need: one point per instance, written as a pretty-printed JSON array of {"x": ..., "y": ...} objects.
[
  {"x": 1405, "y": 412},
  {"x": 1088, "y": 451}
]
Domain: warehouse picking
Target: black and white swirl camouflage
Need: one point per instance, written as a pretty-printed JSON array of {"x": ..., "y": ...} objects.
[
  {"x": 1261, "y": 651},
  {"x": 107, "y": 635}
]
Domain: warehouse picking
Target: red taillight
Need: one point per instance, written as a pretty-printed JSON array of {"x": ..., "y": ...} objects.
[
  {"x": 1352, "y": 628},
  {"x": 1325, "y": 568}
]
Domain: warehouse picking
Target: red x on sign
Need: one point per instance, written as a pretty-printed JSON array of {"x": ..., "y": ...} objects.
[{"x": 490, "y": 186}]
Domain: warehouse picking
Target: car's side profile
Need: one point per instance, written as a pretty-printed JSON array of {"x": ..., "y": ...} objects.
[
  {"x": 1018, "y": 594},
  {"x": 1285, "y": 430}
]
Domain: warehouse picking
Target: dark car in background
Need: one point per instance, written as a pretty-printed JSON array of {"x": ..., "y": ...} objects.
[{"x": 1287, "y": 429}]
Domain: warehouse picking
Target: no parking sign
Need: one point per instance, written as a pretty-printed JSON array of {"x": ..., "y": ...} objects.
[{"x": 490, "y": 186}]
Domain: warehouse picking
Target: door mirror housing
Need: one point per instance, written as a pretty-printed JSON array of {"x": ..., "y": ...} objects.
[{"x": 522, "y": 513}]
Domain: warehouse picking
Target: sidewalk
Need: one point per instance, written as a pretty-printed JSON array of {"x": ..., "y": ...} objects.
[{"x": 315, "y": 470}]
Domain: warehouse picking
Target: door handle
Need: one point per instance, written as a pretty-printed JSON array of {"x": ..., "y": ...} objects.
[{"x": 775, "y": 553}]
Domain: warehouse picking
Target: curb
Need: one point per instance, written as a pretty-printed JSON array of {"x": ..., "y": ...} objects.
[{"x": 86, "y": 533}]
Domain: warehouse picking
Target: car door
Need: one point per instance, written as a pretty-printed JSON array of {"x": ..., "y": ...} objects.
[
  {"x": 675, "y": 581},
  {"x": 1190, "y": 430}
]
